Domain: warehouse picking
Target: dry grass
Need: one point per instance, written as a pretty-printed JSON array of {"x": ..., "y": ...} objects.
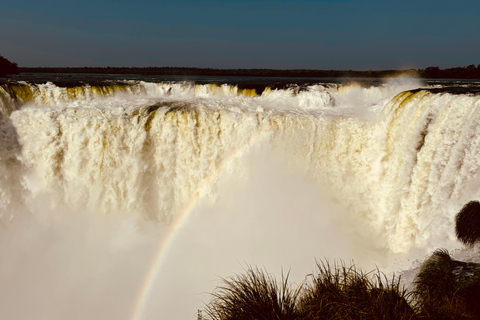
[
  {"x": 444, "y": 289},
  {"x": 254, "y": 295},
  {"x": 332, "y": 293},
  {"x": 345, "y": 292}
]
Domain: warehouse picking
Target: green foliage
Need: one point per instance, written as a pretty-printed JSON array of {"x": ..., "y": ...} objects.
[{"x": 467, "y": 223}]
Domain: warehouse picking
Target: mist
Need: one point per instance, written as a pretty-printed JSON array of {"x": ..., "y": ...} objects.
[
  {"x": 93, "y": 177},
  {"x": 74, "y": 264}
]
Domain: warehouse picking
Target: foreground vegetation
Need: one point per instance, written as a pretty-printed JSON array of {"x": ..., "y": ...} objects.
[
  {"x": 345, "y": 292},
  {"x": 342, "y": 292},
  {"x": 444, "y": 289}
]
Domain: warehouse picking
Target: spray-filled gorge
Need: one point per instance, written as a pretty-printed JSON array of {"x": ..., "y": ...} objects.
[{"x": 130, "y": 199}]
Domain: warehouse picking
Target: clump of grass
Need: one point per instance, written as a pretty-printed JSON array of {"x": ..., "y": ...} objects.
[
  {"x": 435, "y": 278},
  {"x": 467, "y": 223},
  {"x": 447, "y": 288},
  {"x": 347, "y": 293},
  {"x": 444, "y": 289},
  {"x": 254, "y": 295}
]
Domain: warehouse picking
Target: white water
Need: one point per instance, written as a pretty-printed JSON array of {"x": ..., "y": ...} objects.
[{"x": 91, "y": 178}]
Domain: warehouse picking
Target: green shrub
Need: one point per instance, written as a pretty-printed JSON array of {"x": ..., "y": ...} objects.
[{"x": 467, "y": 223}]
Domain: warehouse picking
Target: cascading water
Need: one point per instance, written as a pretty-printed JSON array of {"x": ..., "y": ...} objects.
[{"x": 93, "y": 177}]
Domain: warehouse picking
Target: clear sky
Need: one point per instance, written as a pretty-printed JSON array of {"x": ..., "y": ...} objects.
[{"x": 358, "y": 35}]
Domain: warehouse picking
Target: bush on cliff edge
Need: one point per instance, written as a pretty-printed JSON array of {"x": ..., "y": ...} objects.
[{"x": 7, "y": 67}]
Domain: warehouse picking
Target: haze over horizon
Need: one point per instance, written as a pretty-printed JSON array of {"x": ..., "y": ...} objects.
[{"x": 342, "y": 35}]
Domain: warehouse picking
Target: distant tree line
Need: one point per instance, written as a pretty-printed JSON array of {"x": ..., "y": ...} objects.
[
  {"x": 7, "y": 67},
  {"x": 300, "y": 73},
  {"x": 468, "y": 72}
]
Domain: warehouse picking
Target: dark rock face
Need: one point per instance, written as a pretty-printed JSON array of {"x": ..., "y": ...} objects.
[
  {"x": 467, "y": 223},
  {"x": 7, "y": 67}
]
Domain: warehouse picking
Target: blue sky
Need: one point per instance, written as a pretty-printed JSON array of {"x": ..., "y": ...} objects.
[{"x": 358, "y": 35}]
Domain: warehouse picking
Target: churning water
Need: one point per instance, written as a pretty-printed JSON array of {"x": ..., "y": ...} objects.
[{"x": 129, "y": 199}]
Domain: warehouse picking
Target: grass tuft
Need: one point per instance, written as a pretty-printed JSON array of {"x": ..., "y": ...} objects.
[
  {"x": 254, "y": 295},
  {"x": 445, "y": 289},
  {"x": 345, "y": 292}
]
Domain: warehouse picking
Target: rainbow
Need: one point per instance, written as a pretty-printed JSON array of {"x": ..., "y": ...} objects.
[{"x": 142, "y": 298}]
